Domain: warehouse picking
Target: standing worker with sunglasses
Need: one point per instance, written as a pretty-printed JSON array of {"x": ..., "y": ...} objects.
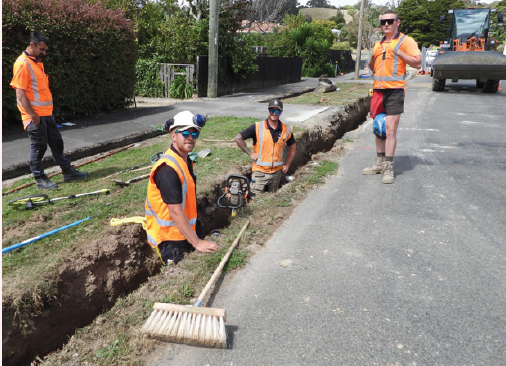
[
  {"x": 388, "y": 63},
  {"x": 171, "y": 204},
  {"x": 269, "y": 139}
]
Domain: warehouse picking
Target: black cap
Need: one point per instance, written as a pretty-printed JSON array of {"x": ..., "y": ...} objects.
[{"x": 276, "y": 104}]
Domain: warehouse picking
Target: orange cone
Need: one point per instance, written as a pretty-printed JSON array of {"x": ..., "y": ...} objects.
[{"x": 499, "y": 87}]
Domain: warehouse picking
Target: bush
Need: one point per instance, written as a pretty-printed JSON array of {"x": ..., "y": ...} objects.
[
  {"x": 342, "y": 46},
  {"x": 91, "y": 57},
  {"x": 179, "y": 89},
  {"x": 317, "y": 71},
  {"x": 148, "y": 83}
]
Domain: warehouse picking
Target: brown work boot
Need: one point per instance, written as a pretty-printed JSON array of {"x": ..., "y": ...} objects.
[
  {"x": 388, "y": 172},
  {"x": 377, "y": 168}
]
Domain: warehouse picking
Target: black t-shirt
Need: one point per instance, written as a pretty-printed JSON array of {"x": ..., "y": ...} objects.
[
  {"x": 250, "y": 133},
  {"x": 169, "y": 184}
]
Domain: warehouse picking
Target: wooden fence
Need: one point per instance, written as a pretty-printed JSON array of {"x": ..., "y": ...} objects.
[{"x": 168, "y": 72}]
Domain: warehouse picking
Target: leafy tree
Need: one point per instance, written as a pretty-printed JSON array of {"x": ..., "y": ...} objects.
[
  {"x": 310, "y": 41},
  {"x": 420, "y": 19},
  {"x": 319, "y": 4},
  {"x": 338, "y": 20}
]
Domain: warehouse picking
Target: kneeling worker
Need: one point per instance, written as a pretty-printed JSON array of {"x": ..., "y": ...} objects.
[
  {"x": 171, "y": 204},
  {"x": 269, "y": 139}
]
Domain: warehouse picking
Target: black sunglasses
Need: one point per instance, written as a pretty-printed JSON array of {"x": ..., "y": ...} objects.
[{"x": 389, "y": 21}]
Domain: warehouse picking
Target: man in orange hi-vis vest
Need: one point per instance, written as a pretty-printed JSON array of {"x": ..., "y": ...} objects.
[
  {"x": 269, "y": 139},
  {"x": 389, "y": 60},
  {"x": 171, "y": 203},
  {"x": 35, "y": 103}
]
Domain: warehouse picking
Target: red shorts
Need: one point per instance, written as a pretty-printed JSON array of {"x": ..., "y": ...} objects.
[{"x": 388, "y": 101}]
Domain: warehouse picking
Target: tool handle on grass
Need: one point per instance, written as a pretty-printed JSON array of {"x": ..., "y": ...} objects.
[
  {"x": 218, "y": 270},
  {"x": 141, "y": 177},
  {"x": 28, "y": 241}
]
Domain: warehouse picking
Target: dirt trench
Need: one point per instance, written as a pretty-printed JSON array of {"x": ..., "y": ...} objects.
[{"x": 121, "y": 260}]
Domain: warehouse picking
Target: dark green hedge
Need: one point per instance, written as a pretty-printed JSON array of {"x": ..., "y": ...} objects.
[{"x": 91, "y": 58}]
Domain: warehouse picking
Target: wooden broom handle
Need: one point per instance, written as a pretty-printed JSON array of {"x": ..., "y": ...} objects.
[{"x": 218, "y": 270}]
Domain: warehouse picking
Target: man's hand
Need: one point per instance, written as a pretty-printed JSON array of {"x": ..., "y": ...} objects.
[
  {"x": 36, "y": 119},
  {"x": 25, "y": 103},
  {"x": 285, "y": 168},
  {"x": 254, "y": 156},
  {"x": 205, "y": 246}
]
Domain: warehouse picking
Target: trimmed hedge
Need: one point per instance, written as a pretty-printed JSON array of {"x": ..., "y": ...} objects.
[{"x": 90, "y": 61}]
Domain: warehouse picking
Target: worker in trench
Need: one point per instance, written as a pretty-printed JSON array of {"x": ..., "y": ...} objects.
[
  {"x": 171, "y": 204},
  {"x": 269, "y": 139}
]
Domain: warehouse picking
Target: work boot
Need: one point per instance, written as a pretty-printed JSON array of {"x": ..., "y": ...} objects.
[
  {"x": 388, "y": 172},
  {"x": 73, "y": 174},
  {"x": 43, "y": 182},
  {"x": 377, "y": 168}
]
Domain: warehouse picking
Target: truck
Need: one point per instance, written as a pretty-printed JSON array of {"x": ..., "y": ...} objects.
[{"x": 468, "y": 53}]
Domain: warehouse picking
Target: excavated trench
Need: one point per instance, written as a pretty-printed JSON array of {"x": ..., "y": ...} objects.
[{"x": 122, "y": 260}]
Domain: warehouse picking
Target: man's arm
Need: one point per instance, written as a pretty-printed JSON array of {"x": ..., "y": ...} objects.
[
  {"x": 371, "y": 64},
  {"x": 413, "y": 61},
  {"x": 242, "y": 145},
  {"x": 289, "y": 158},
  {"x": 25, "y": 103},
  {"x": 177, "y": 214}
]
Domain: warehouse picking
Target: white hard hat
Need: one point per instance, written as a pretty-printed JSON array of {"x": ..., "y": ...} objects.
[{"x": 184, "y": 121}]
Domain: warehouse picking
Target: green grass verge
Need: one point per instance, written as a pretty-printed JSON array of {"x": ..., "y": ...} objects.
[{"x": 348, "y": 92}]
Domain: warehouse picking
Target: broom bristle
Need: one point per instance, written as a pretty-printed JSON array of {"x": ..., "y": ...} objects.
[{"x": 187, "y": 324}]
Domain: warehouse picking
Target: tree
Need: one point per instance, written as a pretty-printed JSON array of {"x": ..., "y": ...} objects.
[
  {"x": 339, "y": 20},
  {"x": 271, "y": 10},
  {"x": 318, "y": 4},
  {"x": 420, "y": 19}
]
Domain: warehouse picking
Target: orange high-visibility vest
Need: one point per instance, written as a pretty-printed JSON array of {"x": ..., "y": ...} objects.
[
  {"x": 160, "y": 226},
  {"x": 389, "y": 69},
  {"x": 29, "y": 75},
  {"x": 269, "y": 153}
]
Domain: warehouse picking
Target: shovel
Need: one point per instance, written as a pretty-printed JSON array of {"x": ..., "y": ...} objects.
[{"x": 127, "y": 183}]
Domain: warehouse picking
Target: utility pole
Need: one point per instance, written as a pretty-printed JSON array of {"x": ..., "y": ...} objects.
[
  {"x": 359, "y": 41},
  {"x": 212, "y": 68}
]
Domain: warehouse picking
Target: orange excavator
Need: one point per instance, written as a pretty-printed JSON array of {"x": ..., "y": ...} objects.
[{"x": 468, "y": 54}]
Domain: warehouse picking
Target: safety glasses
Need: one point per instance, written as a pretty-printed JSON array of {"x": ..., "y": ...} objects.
[
  {"x": 186, "y": 134},
  {"x": 277, "y": 112},
  {"x": 387, "y": 21}
]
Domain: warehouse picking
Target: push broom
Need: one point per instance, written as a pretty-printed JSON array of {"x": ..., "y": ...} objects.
[{"x": 192, "y": 324}]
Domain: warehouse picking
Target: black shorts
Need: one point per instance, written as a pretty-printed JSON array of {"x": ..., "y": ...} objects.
[{"x": 388, "y": 101}]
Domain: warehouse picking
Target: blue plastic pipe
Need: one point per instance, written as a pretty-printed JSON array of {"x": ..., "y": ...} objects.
[{"x": 28, "y": 241}]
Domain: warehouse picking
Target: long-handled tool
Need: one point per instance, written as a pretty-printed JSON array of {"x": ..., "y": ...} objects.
[
  {"x": 192, "y": 324},
  {"x": 30, "y": 201},
  {"x": 154, "y": 158},
  {"x": 126, "y": 170},
  {"x": 28, "y": 241},
  {"x": 136, "y": 179}
]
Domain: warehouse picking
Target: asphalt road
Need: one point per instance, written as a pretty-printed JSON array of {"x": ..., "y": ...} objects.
[{"x": 362, "y": 273}]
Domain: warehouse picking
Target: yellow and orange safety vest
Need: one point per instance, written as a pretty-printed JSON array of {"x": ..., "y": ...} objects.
[
  {"x": 390, "y": 69},
  {"x": 29, "y": 75},
  {"x": 270, "y": 158},
  {"x": 160, "y": 226}
]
